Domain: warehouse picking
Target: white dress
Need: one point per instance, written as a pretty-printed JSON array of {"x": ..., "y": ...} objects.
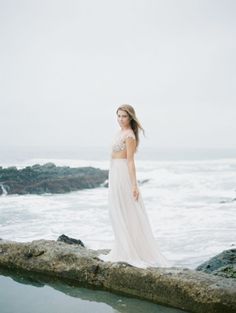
[{"x": 133, "y": 242}]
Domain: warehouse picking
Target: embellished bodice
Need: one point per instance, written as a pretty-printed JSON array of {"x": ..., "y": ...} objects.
[{"x": 118, "y": 142}]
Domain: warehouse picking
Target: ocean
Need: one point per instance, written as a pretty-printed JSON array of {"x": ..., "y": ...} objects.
[{"x": 190, "y": 198}]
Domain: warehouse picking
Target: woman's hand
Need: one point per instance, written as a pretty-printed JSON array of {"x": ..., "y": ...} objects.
[{"x": 135, "y": 192}]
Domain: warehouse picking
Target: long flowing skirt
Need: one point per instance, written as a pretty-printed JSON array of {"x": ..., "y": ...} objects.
[{"x": 134, "y": 242}]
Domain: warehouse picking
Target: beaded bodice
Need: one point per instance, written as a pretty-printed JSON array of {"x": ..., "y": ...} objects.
[{"x": 118, "y": 143}]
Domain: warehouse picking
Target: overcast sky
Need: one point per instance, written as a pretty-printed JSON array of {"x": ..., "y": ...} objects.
[{"x": 65, "y": 66}]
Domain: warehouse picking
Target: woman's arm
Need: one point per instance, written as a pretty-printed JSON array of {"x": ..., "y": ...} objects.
[{"x": 131, "y": 145}]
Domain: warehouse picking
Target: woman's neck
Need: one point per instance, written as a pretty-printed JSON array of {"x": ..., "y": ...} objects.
[{"x": 124, "y": 129}]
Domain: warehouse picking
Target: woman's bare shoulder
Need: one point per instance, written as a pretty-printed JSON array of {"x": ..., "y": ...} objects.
[{"x": 130, "y": 134}]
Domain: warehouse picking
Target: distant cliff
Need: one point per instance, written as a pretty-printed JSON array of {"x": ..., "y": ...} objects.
[{"x": 49, "y": 178}]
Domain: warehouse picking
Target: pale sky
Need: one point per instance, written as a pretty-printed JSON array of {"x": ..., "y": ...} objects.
[{"x": 65, "y": 66}]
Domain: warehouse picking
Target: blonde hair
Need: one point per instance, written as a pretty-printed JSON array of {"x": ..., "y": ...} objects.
[{"x": 134, "y": 122}]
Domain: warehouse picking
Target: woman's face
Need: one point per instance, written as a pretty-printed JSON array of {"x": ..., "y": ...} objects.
[{"x": 123, "y": 118}]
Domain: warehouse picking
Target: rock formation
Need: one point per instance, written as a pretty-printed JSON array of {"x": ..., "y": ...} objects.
[
  {"x": 181, "y": 288},
  {"x": 49, "y": 178},
  {"x": 223, "y": 264}
]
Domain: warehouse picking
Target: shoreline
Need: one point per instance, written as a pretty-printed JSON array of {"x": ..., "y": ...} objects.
[{"x": 181, "y": 288}]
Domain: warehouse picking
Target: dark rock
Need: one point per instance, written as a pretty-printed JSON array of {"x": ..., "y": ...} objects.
[
  {"x": 140, "y": 182},
  {"x": 70, "y": 241},
  {"x": 182, "y": 288},
  {"x": 49, "y": 178},
  {"x": 33, "y": 253},
  {"x": 228, "y": 200},
  {"x": 223, "y": 264},
  {"x": 144, "y": 181}
]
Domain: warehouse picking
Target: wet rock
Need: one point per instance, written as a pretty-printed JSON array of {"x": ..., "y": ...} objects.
[
  {"x": 190, "y": 290},
  {"x": 69, "y": 240},
  {"x": 49, "y": 178},
  {"x": 223, "y": 264},
  {"x": 140, "y": 182},
  {"x": 144, "y": 181}
]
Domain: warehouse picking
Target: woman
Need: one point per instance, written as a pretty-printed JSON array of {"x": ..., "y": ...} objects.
[{"x": 134, "y": 242}]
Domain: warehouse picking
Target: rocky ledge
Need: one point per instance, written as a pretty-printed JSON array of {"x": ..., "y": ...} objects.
[
  {"x": 223, "y": 264},
  {"x": 182, "y": 288},
  {"x": 49, "y": 178}
]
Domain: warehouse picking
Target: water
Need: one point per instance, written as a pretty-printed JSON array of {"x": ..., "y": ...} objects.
[
  {"x": 36, "y": 294},
  {"x": 4, "y": 191},
  {"x": 190, "y": 202}
]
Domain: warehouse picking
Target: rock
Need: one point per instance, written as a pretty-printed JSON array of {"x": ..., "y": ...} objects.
[
  {"x": 69, "y": 240},
  {"x": 49, "y": 178},
  {"x": 144, "y": 181},
  {"x": 181, "y": 288},
  {"x": 140, "y": 182},
  {"x": 223, "y": 264},
  {"x": 227, "y": 200}
]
